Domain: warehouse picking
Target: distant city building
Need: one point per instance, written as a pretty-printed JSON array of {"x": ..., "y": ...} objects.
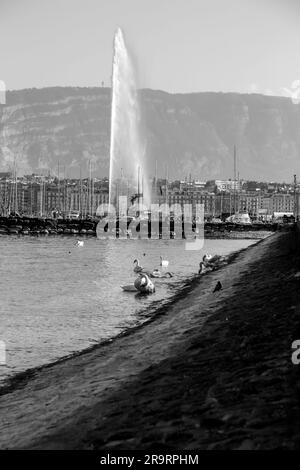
[
  {"x": 39, "y": 195},
  {"x": 43, "y": 198},
  {"x": 224, "y": 185}
]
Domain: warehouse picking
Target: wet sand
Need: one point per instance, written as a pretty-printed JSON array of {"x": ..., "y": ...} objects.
[
  {"x": 213, "y": 370},
  {"x": 232, "y": 235}
]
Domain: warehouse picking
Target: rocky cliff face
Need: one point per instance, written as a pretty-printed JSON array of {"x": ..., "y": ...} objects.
[{"x": 189, "y": 133}]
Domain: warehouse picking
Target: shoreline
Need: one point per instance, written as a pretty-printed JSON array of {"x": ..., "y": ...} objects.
[
  {"x": 186, "y": 286},
  {"x": 232, "y": 235},
  {"x": 160, "y": 384}
]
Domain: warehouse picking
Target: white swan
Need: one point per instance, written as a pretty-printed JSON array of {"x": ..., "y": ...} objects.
[
  {"x": 157, "y": 273},
  {"x": 164, "y": 262},
  {"x": 137, "y": 268},
  {"x": 80, "y": 243},
  {"x": 144, "y": 285}
]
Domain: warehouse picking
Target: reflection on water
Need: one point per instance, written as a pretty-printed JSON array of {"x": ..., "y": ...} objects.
[{"x": 57, "y": 298}]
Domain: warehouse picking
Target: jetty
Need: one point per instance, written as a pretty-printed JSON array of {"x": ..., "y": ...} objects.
[{"x": 11, "y": 225}]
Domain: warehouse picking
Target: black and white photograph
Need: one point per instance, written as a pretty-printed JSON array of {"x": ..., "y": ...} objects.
[{"x": 149, "y": 228}]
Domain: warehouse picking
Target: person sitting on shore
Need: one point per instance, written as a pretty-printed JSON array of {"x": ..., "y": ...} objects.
[
  {"x": 204, "y": 268},
  {"x": 213, "y": 261}
]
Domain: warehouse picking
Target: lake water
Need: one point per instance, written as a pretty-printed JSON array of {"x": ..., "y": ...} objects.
[{"x": 57, "y": 298}]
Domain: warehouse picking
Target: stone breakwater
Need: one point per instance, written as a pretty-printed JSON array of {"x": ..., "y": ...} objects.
[
  {"x": 212, "y": 371},
  {"x": 48, "y": 226}
]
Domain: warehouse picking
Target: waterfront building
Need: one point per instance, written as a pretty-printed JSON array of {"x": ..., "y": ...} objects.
[
  {"x": 224, "y": 185},
  {"x": 283, "y": 202},
  {"x": 37, "y": 195},
  {"x": 43, "y": 198}
]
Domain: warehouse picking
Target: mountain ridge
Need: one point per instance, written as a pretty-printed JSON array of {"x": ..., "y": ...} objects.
[{"x": 188, "y": 133}]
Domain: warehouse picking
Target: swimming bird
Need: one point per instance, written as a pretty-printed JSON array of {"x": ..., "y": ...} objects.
[
  {"x": 202, "y": 269},
  {"x": 158, "y": 273},
  {"x": 137, "y": 268},
  {"x": 163, "y": 262},
  {"x": 80, "y": 243},
  {"x": 143, "y": 284},
  {"x": 217, "y": 287}
]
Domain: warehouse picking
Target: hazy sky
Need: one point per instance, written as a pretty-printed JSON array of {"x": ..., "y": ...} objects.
[{"x": 179, "y": 45}]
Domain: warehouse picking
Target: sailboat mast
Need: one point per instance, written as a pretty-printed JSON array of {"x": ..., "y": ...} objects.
[
  {"x": 234, "y": 180},
  {"x": 238, "y": 193},
  {"x": 5, "y": 198},
  {"x": 167, "y": 183},
  {"x": 45, "y": 198},
  {"x": 138, "y": 181},
  {"x": 30, "y": 197},
  {"x": 58, "y": 186},
  {"x": 80, "y": 192},
  {"x": 64, "y": 192},
  {"x": 138, "y": 191},
  {"x": 155, "y": 187},
  {"x": 295, "y": 199},
  {"x": 221, "y": 208},
  {"x": 12, "y": 190},
  {"x": 16, "y": 189},
  {"x": 90, "y": 190},
  {"x": 41, "y": 199}
]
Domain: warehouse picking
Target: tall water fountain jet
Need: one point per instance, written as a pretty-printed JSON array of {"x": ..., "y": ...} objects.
[{"x": 128, "y": 170}]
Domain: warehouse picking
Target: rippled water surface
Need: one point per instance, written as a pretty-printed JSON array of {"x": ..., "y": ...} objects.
[{"x": 57, "y": 298}]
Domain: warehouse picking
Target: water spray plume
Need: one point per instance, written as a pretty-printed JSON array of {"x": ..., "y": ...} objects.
[{"x": 127, "y": 149}]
